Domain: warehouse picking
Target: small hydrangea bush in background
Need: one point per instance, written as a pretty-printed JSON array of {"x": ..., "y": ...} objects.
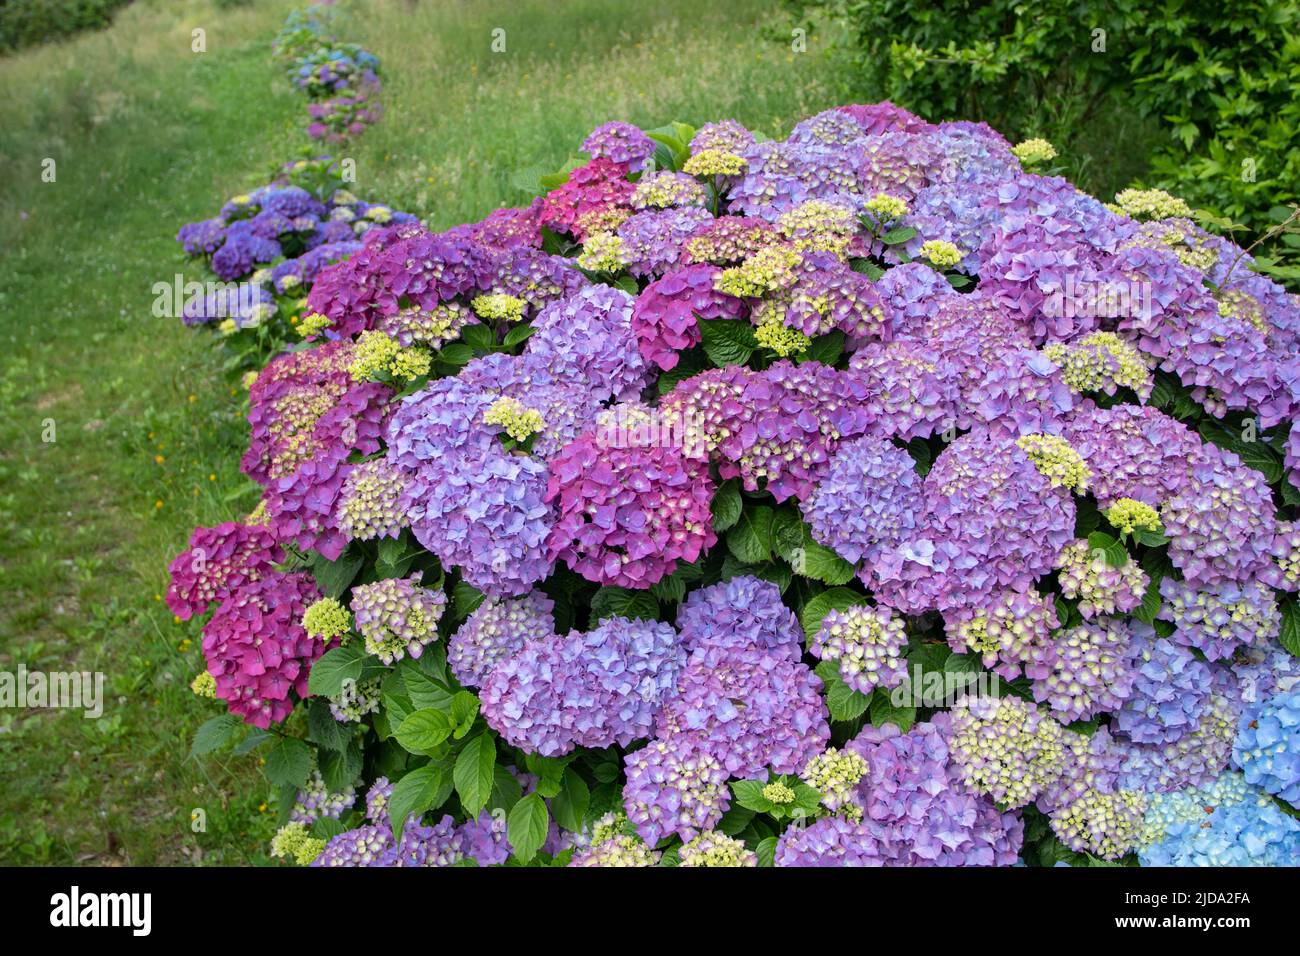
[
  {"x": 340, "y": 80},
  {"x": 633, "y": 526}
]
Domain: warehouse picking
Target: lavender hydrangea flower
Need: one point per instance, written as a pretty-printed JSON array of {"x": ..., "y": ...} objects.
[
  {"x": 397, "y": 617},
  {"x": 497, "y": 629}
]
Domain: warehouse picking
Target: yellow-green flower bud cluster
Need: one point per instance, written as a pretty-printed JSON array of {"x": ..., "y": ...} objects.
[
  {"x": 1101, "y": 362},
  {"x": 1128, "y": 515},
  {"x": 767, "y": 270},
  {"x": 717, "y": 849},
  {"x": 715, "y": 162},
  {"x": 835, "y": 775},
  {"x": 294, "y": 841},
  {"x": 1149, "y": 204},
  {"x": 940, "y": 253},
  {"x": 326, "y": 620},
  {"x": 511, "y": 415},
  {"x": 781, "y": 339},
  {"x": 1034, "y": 151},
  {"x": 498, "y": 305},
  {"x": 1056, "y": 460},
  {"x": 204, "y": 685},
  {"x": 602, "y": 252}
]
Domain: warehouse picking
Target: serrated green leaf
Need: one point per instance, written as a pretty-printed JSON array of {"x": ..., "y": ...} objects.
[
  {"x": 766, "y": 851},
  {"x": 333, "y": 668},
  {"x": 843, "y": 702},
  {"x": 473, "y": 773},
  {"x": 465, "y": 599},
  {"x": 289, "y": 763},
  {"x": 340, "y": 768},
  {"x": 517, "y": 334},
  {"x": 424, "y": 788},
  {"x": 611, "y": 601},
  {"x": 898, "y": 235},
  {"x": 751, "y": 538},
  {"x": 883, "y": 711},
  {"x": 455, "y": 353},
  {"x": 213, "y": 734},
  {"x": 569, "y": 806},
  {"x": 323, "y": 729},
  {"x": 335, "y": 577},
  {"x": 749, "y": 794},
  {"x": 424, "y": 730},
  {"x": 727, "y": 341},
  {"x": 1290, "y": 633},
  {"x": 727, "y": 505},
  {"x": 837, "y": 599},
  {"x": 1111, "y": 551},
  {"x": 526, "y": 827}
]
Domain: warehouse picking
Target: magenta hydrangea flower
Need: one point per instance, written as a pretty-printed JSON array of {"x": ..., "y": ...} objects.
[
  {"x": 665, "y": 317},
  {"x": 303, "y": 506},
  {"x": 627, "y": 515},
  {"x": 597, "y": 186},
  {"x": 257, "y": 650},
  {"x": 219, "y": 561}
]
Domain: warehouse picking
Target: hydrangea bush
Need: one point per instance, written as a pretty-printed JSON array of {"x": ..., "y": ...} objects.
[{"x": 631, "y": 527}]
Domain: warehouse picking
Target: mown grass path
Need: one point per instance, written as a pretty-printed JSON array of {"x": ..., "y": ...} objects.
[{"x": 147, "y": 135}]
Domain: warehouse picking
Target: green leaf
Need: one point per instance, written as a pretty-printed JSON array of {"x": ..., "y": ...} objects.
[
  {"x": 473, "y": 774},
  {"x": 340, "y": 768},
  {"x": 726, "y": 505},
  {"x": 1146, "y": 611},
  {"x": 424, "y": 788},
  {"x": 884, "y": 712},
  {"x": 335, "y": 667},
  {"x": 570, "y": 804},
  {"x": 826, "y": 349},
  {"x": 727, "y": 341},
  {"x": 478, "y": 337},
  {"x": 1290, "y": 635},
  {"x": 898, "y": 235},
  {"x": 843, "y": 702},
  {"x": 766, "y": 851},
  {"x": 289, "y": 763},
  {"x": 1152, "y": 539},
  {"x": 455, "y": 353},
  {"x": 465, "y": 599},
  {"x": 1112, "y": 552},
  {"x": 423, "y": 731},
  {"x": 622, "y": 602},
  {"x": 1255, "y": 453},
  {"x": 323, "y": 729},
  {"x": 464, "y": 710},
  {"x": 334, "y": 577},
  {"x": 549, "y": 771},
  {"x": 749, "y": 794},
  {"x": 837, "y": 599},
  {"x": 517, "y": 334},
  {"x": 526, "y": 827},
  {"x": 751, "y": 538},
  {"x": 213, "y": 734}
]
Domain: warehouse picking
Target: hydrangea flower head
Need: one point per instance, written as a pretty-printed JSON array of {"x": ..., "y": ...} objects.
[
  {"x": 397, "y": 617},
  {"x": 868, "y": 643}
]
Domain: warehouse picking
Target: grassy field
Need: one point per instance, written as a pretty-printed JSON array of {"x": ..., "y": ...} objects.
[{"x": 146, "y": 135}]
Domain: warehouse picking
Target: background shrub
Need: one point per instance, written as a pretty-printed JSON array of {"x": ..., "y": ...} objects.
[{"x": 27, "y": 22}]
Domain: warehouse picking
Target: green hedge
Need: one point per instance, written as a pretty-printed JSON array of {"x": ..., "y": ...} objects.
[{"x": 28, "y": 22}]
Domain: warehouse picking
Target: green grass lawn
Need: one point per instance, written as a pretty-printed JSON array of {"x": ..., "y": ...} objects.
[{"x": 147, "y": 135}]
